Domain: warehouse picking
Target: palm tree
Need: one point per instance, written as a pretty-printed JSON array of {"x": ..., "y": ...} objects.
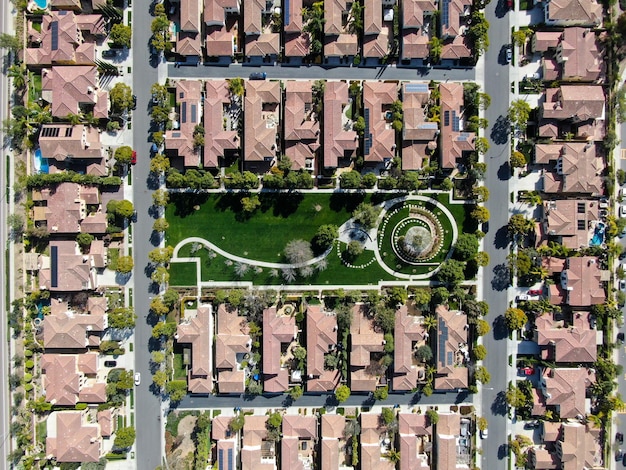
[
  {"x": 435, "y": 47},
  {"x": 19, "y": 75},
  {"x": 430, "y": 322},
  {"x": 73, "y": 119},
  {"x": 393, "y": 455}
]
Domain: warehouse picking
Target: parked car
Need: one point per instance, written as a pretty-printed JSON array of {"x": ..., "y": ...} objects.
[
  {"x": 526, "y": 297},
  {"x": 531, "y": 425},
  {"x": 535, "y": 292},
  {"x": 527, "y": 371},
  {"x": 134, "y": 105},
  {"x": 619, "y": 437},
  {"x": 109, "y": 53},
  {"x": 622, "y": 285},
  {"x": 484, "y": 433},
  {"x": 137, "y": 378},
  {"x": 509, "y": 4},
  {"x": 509, "y": 54},
  {"x": 620, "y": 338},
  {"x": 133, "y": 159},
  {"x": 622, "y": 211},
  {"x": 110, "y": 363},
  {"x": 258, "y": 76},
  {"x": 619, "y": 454}
]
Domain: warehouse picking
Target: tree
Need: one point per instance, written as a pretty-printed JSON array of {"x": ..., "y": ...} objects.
[
  {"x": 275, "y": 420},
  {"x": 158, "y": 357},
  {"x": 296, "y": 392},
  {"x": 480, "y": 352},
  {"x": 520, "y": 225},
  {"x": 422, "y": 297},
  {"x": 158, "y": 307},
  {"x": 19, "y": 75},
  {"x": 121, "y": 318},
  {"x": 163, "y": 330},
  {"x": 482, "y": 258},
  {"x": 359, "y": 126},
  {"x": 177, "y": 389},
  {"x": 236, "y": 86},
  {"x": 159, "y": 378},
  {"x": 366, "y": 215},
  {"x": 125, "y": 264},
  {"x": 160, "y": 198},
  {"x": 353, "y": 250},
  {"x": 159, "y": 95},
  {"x": 392, "y": 455},
  {"x": 519, "y": 112},
  {"x": 170, "y": 298},
  {"x": 435, "y": 48},
  {"x": 325, "y": 236},
  {"x": 479, "y": 32},
  {"x": 515, "y": 397},
  {"x": 432, "y": 415},
  {"x": 385, "y": 317},
  {"x": 237, "y": 423},
  {"x": 342, "y": 393},
  {"x": 451, "y": 272},
  {"x": 249, "y": 204},
  {"x": 515, "y": 318},
  {"x": 299, "y": 353},
  {"x": 298, "y": 252},
  {"x": 480, "y": 214},
  {"x": 123, "y": 155},
  {"x": 160, "y": 275},
  {"x": 481, "y": 144},
  {"x": 314, "y": 20},
  {"x": 124, "y": 437},
  {"x": 123, "y": 208},
  {"x": 480, "y": 193},
  {"x": 121, "y": 97},
  {"x": 161, "y": 255},
  {"x": 481, "y": 423},
  {"x": 424, "y": 353},
  {"x": 482, "y": 327},
  {"x": 518, "y": 160},
  {"x": 160, "y": 225},
  {"x": 482, "y": 375},
  {"x": 11, "y": 42},
  {"x": 466, "y": 247},
  {"x": 381, "y": 393},
  {"x": 84, "y": 239},
  {"x": 121, "y": 35},
  {"x": 350, "y": 180}
]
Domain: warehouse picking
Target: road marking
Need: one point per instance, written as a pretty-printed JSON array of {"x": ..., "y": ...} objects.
[{"x": 623, "y": 154}]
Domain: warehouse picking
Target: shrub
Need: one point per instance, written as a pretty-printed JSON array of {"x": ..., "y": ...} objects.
[
  {"x": 28, "y": 378},
  {"x": 29, "y": 364}
]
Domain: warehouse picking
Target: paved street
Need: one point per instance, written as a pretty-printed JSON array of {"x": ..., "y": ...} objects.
[
  {"x": 315, "y": 72},
  {"x": 495, "y": 277},
  {"x": 147, "y": 405}
]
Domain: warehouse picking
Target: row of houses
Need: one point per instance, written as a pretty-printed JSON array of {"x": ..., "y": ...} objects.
[
  {"x": 233, "y": 360},
  {"x": 284, "y": 121}
]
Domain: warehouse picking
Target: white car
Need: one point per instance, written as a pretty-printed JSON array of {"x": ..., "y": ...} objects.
[
  {"x": 137, "y": 378},
  {"x": 484, "y": 433},
  {"x": 622, "y": 211},
  {"x": 622, "y": 285}
]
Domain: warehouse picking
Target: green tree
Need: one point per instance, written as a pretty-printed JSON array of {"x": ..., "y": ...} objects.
[
  {"x": 480, "y": 193},
  {"x": 482, "y": 375},
  {"x": 466, "y": 246},
  {"x": 160, "y": 225},
  {"x": 520, "y": 225},
  {"x": 325, "y": 236},
  {"x": 314, "y": 20},
  {"x": 435, "y": 48},
  {"x": 385, "y": 317},
  {"x": 177, "y": 389},
  {"x": 121, "y": 97},
  {"x": 161, "y": 255},
  {"x": 236, "y": 86},
  {"x": 482, "y": 327},
  {"x": 160, "y": 198},
  {"x": 122, "y": 317},
  {"x": 123, "y": 155},
  {"x": 381, "y": 393},
  {"x": 482, "y": 258},
  {"x": 170, "y": 298},
  {"x": 359, "y": 126},
  {"x": 432, "y": 415},
  {"x": 159, "y": 94},
  {"x": 342, "y": 393},
  {"x": 353, "y": 250},
  {"x": 451, "y": 272},
  {"x": 392, "y": 455},
  {"x": 125, "y": 264},
  {"x": 481, "y": 144},
  {"x": 515, "y": 318},
  {"x": 237, "y": 423},
  {"x": 481, "y": 423},
  {"x": 124, "y": 437},
  {"x": 518, "y": 160},
  {"x": 160, "y": 275},
  {"x": 158, "y": 357},
  {"x": 121, "y": 35},
  {"x": 19, "y": 75},
  {"x": 249, "y": 204},
  {"x": 480, "y": 214},
  {"x": 160, "y": 164},
  {"x": 163, "y": 330},
  {"x": 423, "y": 353},
  {"x": 158, "y": 307},
  {"x": 366, "y": 215},
  {"x": 519, "y": 112},
  {"x": 296, "y": 392},
  {"x": 480, "y": 352},
  {"x": 350, "y": 180},
  {"x": 84, "y": 239},
  {"x": 11, "y": 42},
  {"x": 275, "y": 420},
  {"x": 159, "y": 378}
]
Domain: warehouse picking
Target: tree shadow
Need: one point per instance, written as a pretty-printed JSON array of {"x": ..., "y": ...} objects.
[
  {"x": 185, "y": 203},
  {"x": 346, "y": 201},
  {"x": 503, "y": 451},
  {"x": 504, "y": 171},
  {"x": 501, "y": 277},
  {"x": 502, "y": 8},
  {"x": 461, "y": 396},
  {"x": 499, "y": 328},
  {"x": 501, "y": 240},
  {"x": 500, "y": 130},
  {"x": 155, "y": 238},
  {"x": 499, "y": 405},
  {"x": 281, "y": 204},
  {"x": 153, "y": 181}
]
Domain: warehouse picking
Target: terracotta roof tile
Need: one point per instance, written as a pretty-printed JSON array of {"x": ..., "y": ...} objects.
[
  {"x": 73, "y": 441},
  {"x": 454, "y": 142},
  {"x": 338, "y": 140},
  {"x": 196, "y": 333},
  {"x": 377, "y": 100}
]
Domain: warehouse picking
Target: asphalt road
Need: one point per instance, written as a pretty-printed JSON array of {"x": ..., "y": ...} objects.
[
  {"x": 147, "y": 405},
  {"x": 495, "y": 277},
  {"x": 315, "y": 72},
  {"x": 318, "y": 401}
]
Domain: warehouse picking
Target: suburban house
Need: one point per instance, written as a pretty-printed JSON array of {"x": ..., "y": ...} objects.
[
  {"x": 257, "y": 452},
  {"x": 76, "y": 147},
  {"x": 455, "y": 15},
  {"x": 367, "y": 346},
  {"x": 260, "y": 41},
  {"x": 220, "y": 18},
  {"x": 454, "y": 142},
  {"x": 69, "y": 271},
  {"x": 568, "y": 446},
  {"x": 189, "y": 40},
  {"x": 297, "y": 41},
  {"x": 452, "y": 442},
  {"x": 340, "y": 141},
  {"x": 572, "y": 167},
  {"x": 333, "y": 441},
  {"x": 321, "y": 339},
  {"x": 582, "y": 281},
  {"x": 280, "y": 334},
  {"x": 575, "y": 55},
  {"x": 572, "y": 342},
  {"x": 74, "y": 90},
  {"x": 227, "y": 443},
  {"x": 565, "y": 391},
  {"x": 302, "y": 126},
  {"x": 221, "y": 139},
  {"x": 416, "y": 25},
  {"x": 70, "y": 378},
  {"x": 339, "y": 42},
  {"x": 415, "y": 432},
  {"x": 377, "y": 26},
  {"x": 298, "y": 443},
  {"x": 373, "y": 445},
  {"x": 545, "y": 41},
  {"x": 409, "y": 334},
  {"x": 379, "y": 142},
  {"x": 573, "y": 109},
  {"x": 63, "y": 38},
  {"x": 571, "y": 222},
  {"x": 452, "y": 349},
  {"x": 419, "y": 136},
  {"x": 196, "y": 331},
  {"x": 572, "y": 12},
  {"x": 179, "y": 141},
  {"x": 262, "y": 122},
  {"x": 65, "y": 329},
  {"x": 232, "y": 343},
  {"x": 71, "y": 438}
]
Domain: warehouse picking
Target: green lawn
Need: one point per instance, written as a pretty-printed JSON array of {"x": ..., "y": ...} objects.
[
  {"x": 281, "y": 218},
  {"x": 34, "y": 90},
  {"x": 180, "y": 372}
]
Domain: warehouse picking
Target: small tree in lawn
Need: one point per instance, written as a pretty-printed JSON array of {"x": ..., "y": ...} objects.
[
  {"x": 123, "y": 155},
  {"x": 125, "y": 264},
  {"x": 249, "y": 204},
  {"x": 366, "y": 215},
  {"x": 325, "y": 236},
  {"x": 353, "y": 250},
  {"x": 342, "y": 393},
  {"x": 160, "y": 225},
  {"x": 480, "y": 214},
  {"x": 298, "y": 251},
  {"x": 124, "y": 437}
]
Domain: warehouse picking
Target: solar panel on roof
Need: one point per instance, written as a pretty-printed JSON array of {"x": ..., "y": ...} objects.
[
  {"x": 220, "y": 459},
  {"x": 446, "y": 118},
  {"x": 286, "y": 16},
  {"x": 445, "y": 13},
  {"x": 450, "y": 358},
  {"x": 455, "y": 122},
  {"x": 230, "y": 459},
  {"x": 416, "y": 88},
  {"x": 54, "y": 266},
  {"x": 68, "y": 131},
  {"x": 54, "y": 29},
  {"x": 194, "y": 117},
  {"x": 183, "y": 113},
  {"x": 62, "y": 12},
  {"x": 176, "y": 135}
]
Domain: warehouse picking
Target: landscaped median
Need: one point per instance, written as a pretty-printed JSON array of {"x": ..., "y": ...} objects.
[{"x": 230, "y": 244}]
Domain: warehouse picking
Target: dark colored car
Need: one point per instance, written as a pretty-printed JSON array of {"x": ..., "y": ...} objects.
[
  {"x": 110, "y": 363},
  {"x": 620, "y": 338},
  {"x": 109, "y": 54},
  {"x": 619, "y": 437},
  {"x": 134, "y": 105},
  {"x": 258, "y": 76},
  {"x": 622, "y": 255},
  {"x": 133, "y": 159}
]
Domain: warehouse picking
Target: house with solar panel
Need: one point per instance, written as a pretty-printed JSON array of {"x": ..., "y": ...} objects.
[
  {"x": 179, "y": 140},
  {"x": 455, "y": 15},
  {"x": 419, "y": 135},
  {"x": 262, "y": 43},
  {"x": 452, "y": 349},
  {"x": 226, "y": 450},
  {"x": 454, "y": 142},
  {"x": 297, "y": 41},
  {"x": 339, "y": 140},
  {"x": 379, "y": 141}
]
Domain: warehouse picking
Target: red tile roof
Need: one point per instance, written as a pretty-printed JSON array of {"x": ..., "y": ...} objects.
[
  {"x": 196, "y": 333},
  {"x": 454, "y": 142},
  {"x": 365, "y": 341},
  {"x": 572, "y": 344},
  {"x": 321, "y": 336},
  {"x": 70, "y": 439},
  {"x": 566, "y": 389},
  {"x": 338, "y": 141},
  {"x": 217, "y": 140},
  {"x": 452, "y": 350},
  {"x": 409, "y": 331},
  {"x": 277, "y": 330},
  {"x": 377, "y": 100},
  {"x": 261, "y": 120},
  {"x": 188, "y": 102},
  {"x": 71, "y": 88},
  {"x": 232, "y": 339},
  {"x": 302, "y": 127}
]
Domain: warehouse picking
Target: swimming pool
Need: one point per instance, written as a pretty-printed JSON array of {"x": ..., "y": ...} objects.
[
  {"x": 598, "y": 235},
  {"x": 43, "y": 4},
  {"x": 40, "y": 163}
]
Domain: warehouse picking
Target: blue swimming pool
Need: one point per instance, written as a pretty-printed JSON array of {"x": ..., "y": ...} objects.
[
  {"x": 598, "y": 235},
  {"x": 43, "y": 4},
  {"x": 41, "y": 164}
]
